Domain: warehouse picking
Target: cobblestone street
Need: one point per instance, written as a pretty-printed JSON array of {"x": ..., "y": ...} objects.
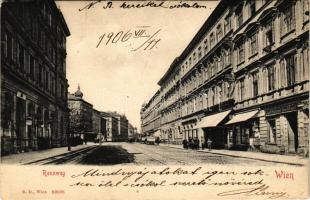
[{"x": 133, "y": 154}]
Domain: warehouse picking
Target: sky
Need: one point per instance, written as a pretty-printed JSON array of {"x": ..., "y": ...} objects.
[{"x": 112, "y": 76}]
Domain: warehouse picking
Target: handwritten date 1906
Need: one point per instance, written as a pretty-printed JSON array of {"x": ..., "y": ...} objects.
[{"x": 149, "y": 39}]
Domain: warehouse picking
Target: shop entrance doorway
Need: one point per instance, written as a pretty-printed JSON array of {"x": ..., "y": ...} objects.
[{"x": 292, "y": 131}]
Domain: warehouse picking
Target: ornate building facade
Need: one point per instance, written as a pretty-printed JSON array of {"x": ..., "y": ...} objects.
[
  {"x": 81, "y": 116},
  {"x": 34, "y": 112},
  {"x": 242, "y": 81},
  {"x": 112, "y": 128},
  {"x": 117, "y": 127}
]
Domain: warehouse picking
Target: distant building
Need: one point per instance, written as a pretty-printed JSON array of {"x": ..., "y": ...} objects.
[
  {"x": 96, "y": 128},
  {"x": 112, "y": 126},
  {"x": 81, "y": 116},
  {"x": 33, "y": 80},
  {"x": 131, "y": 131},
  {"x": 122, "y": 127}
]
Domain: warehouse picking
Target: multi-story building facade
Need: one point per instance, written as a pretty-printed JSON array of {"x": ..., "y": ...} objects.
[
  {"x": 34, "y": 111},
  {"x": 122, "y": 127},
  {"x": 81, "y": 116},
  {"x": 150, "y": 115},
  {"x": 97, "y": 129},
  {"x": 132, "y": 132},
  {"x": 116, "y": 126},
  {"x": 242, "y": 81},
  {"x": 112, "y": 126},
  {"x": 272, "y": 76}
]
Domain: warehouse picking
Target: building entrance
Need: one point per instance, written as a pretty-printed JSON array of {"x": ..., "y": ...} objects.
[
  {"x": 216, "y": 135},
  {"x": 292, "y": 131}
]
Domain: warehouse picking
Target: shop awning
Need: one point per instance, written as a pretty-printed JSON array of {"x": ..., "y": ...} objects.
[
  {"x": 212, "y": 120},
  {"x": 242, "y": 117},
  {"x": 156, "y": 133}
]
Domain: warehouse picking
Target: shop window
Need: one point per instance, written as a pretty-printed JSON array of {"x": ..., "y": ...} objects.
[{"x": 272, "y": 132}]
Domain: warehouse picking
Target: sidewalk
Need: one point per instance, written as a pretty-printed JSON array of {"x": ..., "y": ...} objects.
[
  {"x": 37, "y": 155},
  {"x": 285, "y": 159}
]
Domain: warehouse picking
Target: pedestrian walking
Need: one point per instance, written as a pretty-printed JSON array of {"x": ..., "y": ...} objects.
[
  {"x": 198, "y": 143},
  {"x": 185, "y": 144},
  {"x": 190, "y": 143},
  {"x": 209, "y": 143}
]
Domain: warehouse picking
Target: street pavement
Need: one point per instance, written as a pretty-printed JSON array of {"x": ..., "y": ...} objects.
[
  {"x": 169, "y": 155},
  {"x": 133, "y": 154}
]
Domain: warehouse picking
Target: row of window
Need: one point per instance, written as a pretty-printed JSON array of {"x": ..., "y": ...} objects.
[
  {"x": 152, "y": 125},
  {"x": 207, "y": 44},
  {"x": 287, "y": 24},
  {"x": 50, "y": 19},
  {"x": 28, "y": 66},
  {"x": 274, "y": 76},
  {"x": 39, "y": 34},
  {"x": 215, "y": 36},
  {"x": 206, "y": 73},
  {"x": 215, "y": 65},
  {"x": 206, "y": 99},
  {"x": 256, "y": 83}
]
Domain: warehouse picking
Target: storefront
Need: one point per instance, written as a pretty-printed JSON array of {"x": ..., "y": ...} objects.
[
  {"x": 213, "y": 129},
  {"x": 172, "y": 133},
  {"x": 243, "y": 131},
  {"x": 287, "y": 128},
  {"x": 189, "y": 128}
]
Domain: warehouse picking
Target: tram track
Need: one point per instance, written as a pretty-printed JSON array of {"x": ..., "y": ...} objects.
[{"x": 63, "y": 158}]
